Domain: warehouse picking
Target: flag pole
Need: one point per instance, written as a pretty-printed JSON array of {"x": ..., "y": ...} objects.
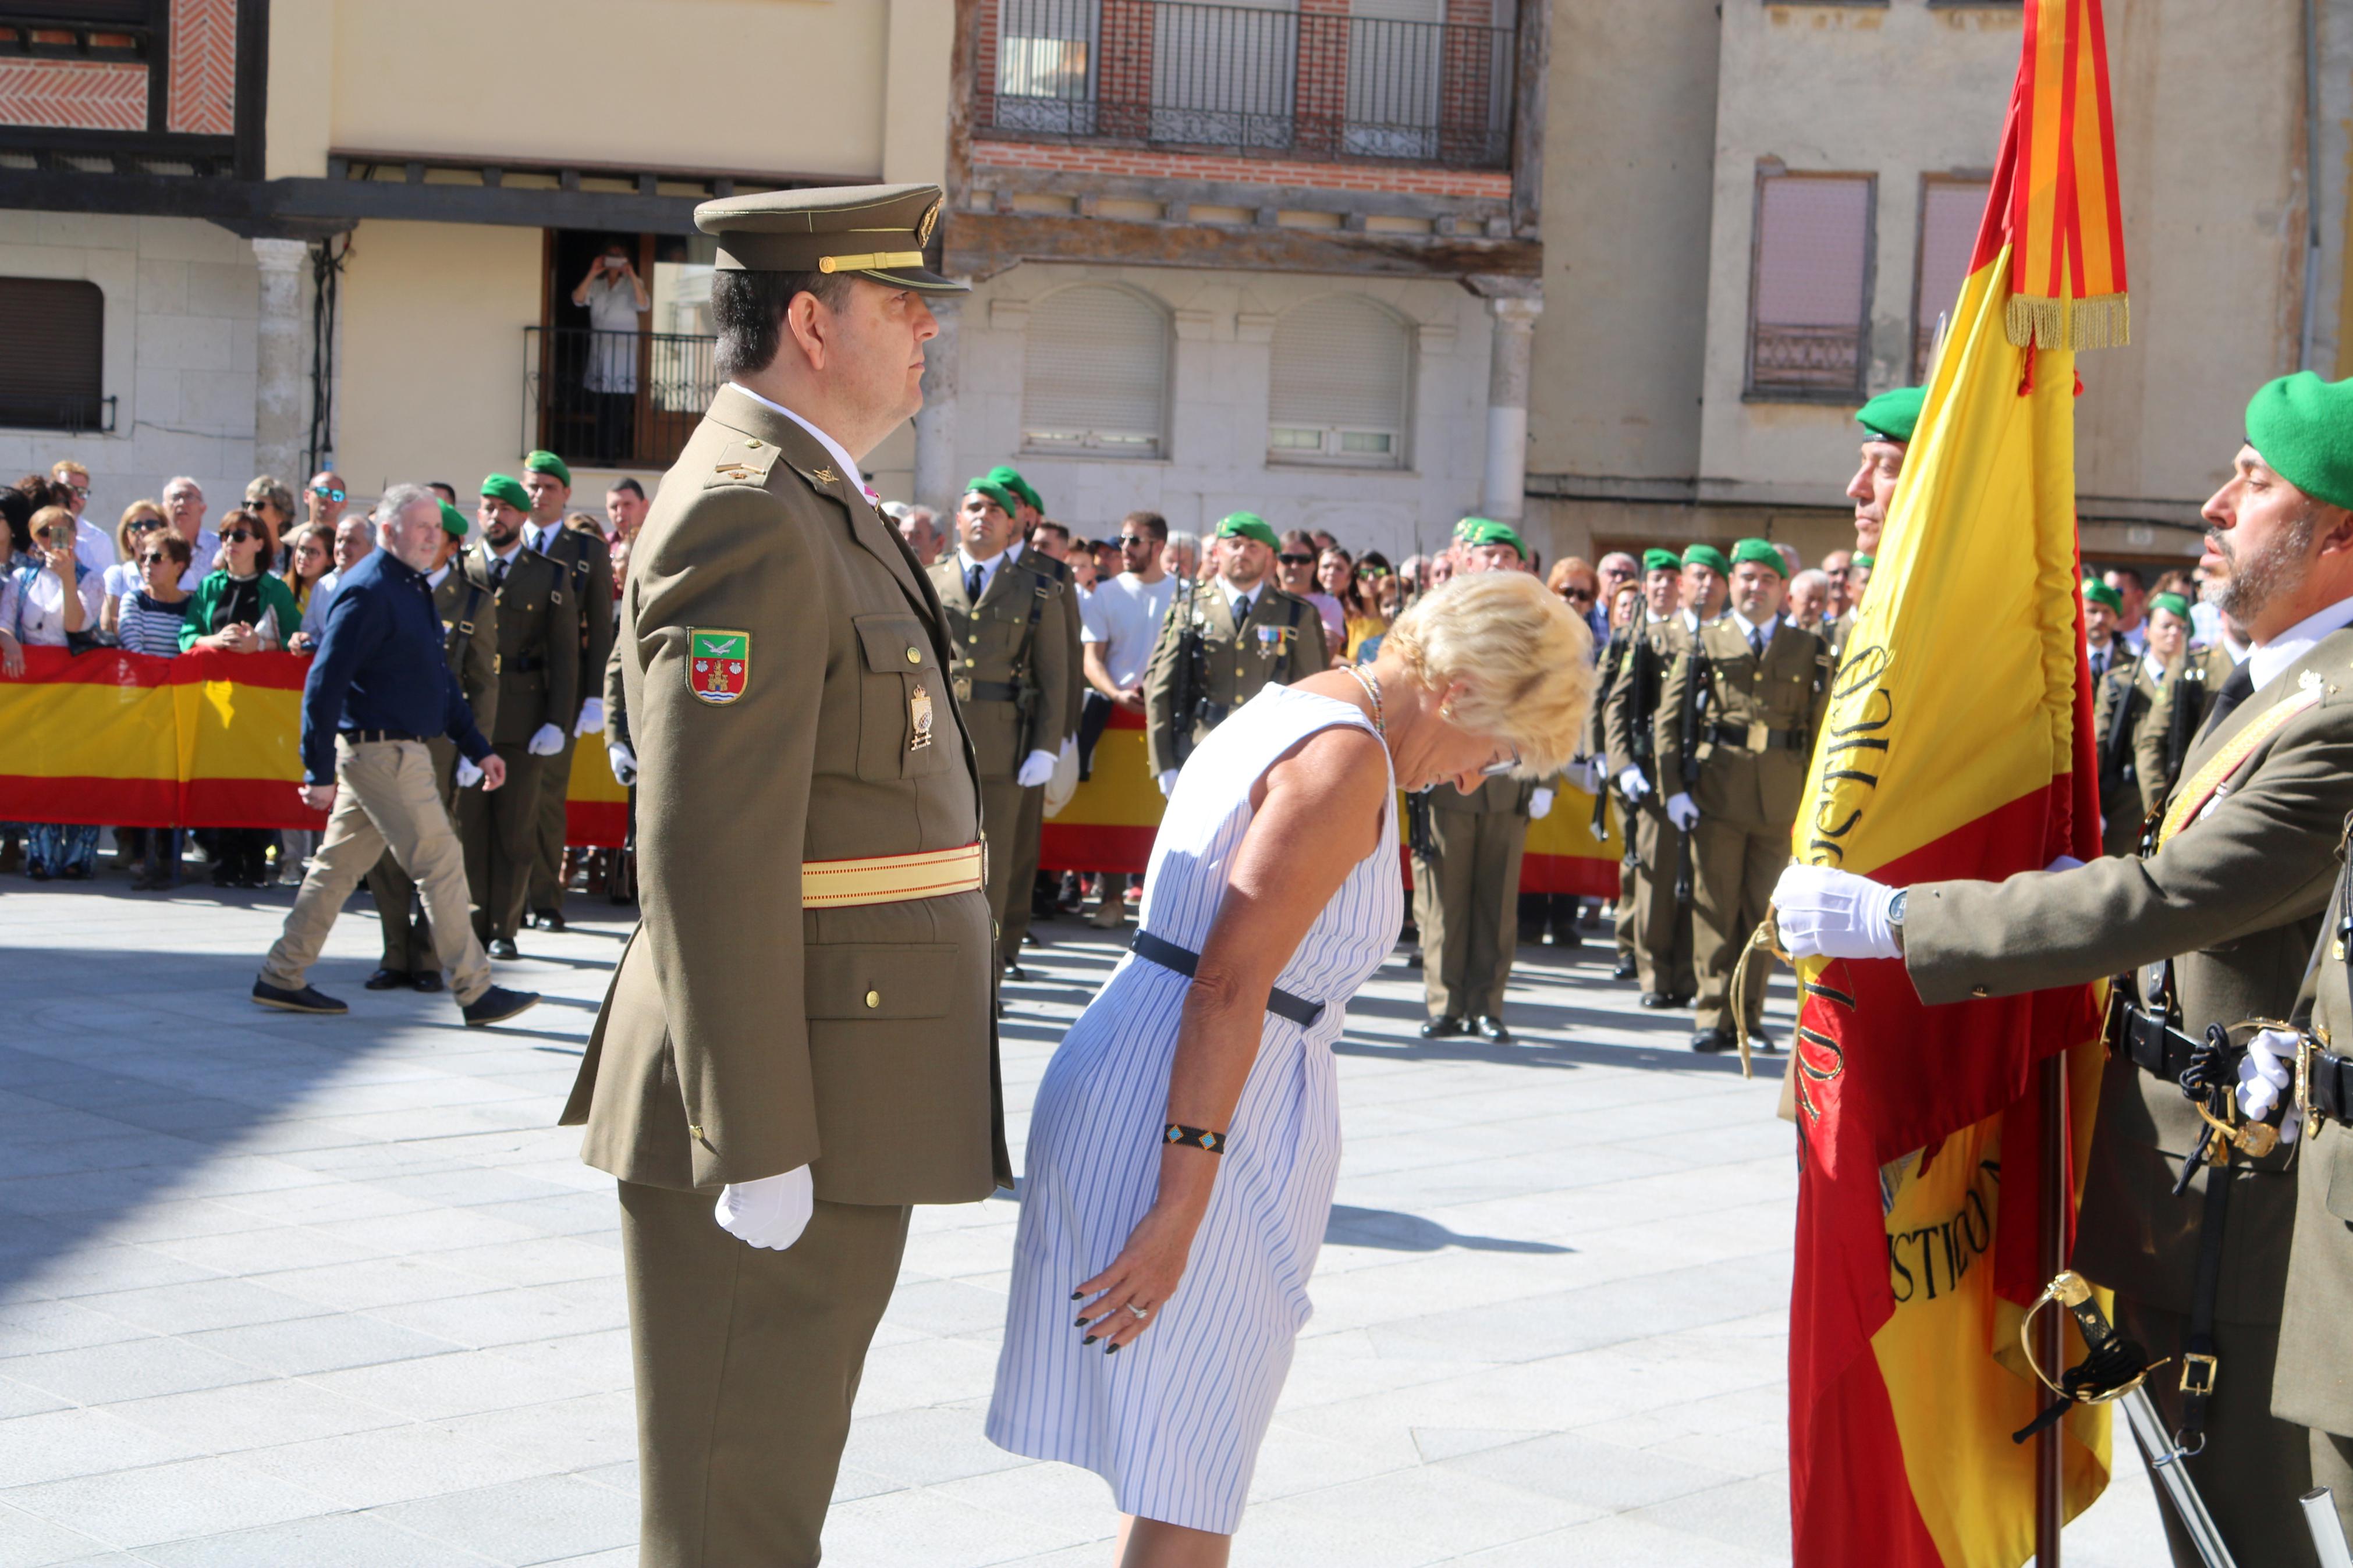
[{"x": 2049, "y": 1327}]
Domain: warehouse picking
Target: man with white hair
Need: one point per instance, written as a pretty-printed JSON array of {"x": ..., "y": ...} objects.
[
  {"x": 1809, "y": 598},
  {"x": 183, "y": 505},
  {"x": 377, "y": 689}
]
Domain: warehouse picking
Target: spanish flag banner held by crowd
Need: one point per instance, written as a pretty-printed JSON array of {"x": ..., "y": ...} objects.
[{"x": 1959, "y": 743}]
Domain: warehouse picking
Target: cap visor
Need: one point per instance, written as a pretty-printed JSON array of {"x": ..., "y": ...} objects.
[{"x": 917, "y": 278}]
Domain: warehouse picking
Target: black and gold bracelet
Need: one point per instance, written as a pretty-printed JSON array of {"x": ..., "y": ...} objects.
[{"x": 1198, "y": 1138}]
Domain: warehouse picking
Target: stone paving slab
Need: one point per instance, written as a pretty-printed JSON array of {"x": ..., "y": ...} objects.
[{"x": 279, "y": 1290}]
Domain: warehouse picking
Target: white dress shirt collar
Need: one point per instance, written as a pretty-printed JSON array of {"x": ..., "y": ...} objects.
[
  {"x": 833, "y": 448},
  {"x": 438, "y": 576},
  {"x": 1234, "y": 595},
  {"x": 2268, "y": 661},
  {"x": 508, "y": 553},
  {"x": 965, "y": 564},
  {"x": 1748, "y": 629},
  {"x": 1691, "y": 619}
]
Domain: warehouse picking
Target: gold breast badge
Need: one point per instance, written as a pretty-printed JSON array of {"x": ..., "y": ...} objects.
[{"x": 918, "y": 716}]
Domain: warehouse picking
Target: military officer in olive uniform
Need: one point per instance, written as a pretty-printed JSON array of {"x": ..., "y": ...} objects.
[
  {"x": 2216, "y": 926},
  {"x": 2179, "y": 711},
  {"x": 1029, "y": 836},
  {"x": 470, "y": 642},
  {"x": 589, "y": 564},
  {"x": 1010, "y": 678},
  {"x": 1607, "y": 669},
  {"x": 1239, "y": 632},
  {"x": 1889, "y": 422},
  {"x": 1662, "y": 922},
  {"x": 1760, "y": 684},
  {"x": 538, "y": 618},
  {"x": 1466, "y": 885},
  {"x": 2122, "y": 696},
  {"x": 797, "y": 1044}
]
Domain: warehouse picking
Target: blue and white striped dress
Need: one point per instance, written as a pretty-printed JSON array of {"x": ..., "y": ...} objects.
[{"x": 1174, "y": 1421}]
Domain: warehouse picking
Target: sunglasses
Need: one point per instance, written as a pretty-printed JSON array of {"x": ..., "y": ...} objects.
[
  {"x": 237, "y": 536},
  {"x": 1582, "y": 595},
  {"x": 1296, "y": 560},
  {"x": 1127, "y": 539},
  {"x": 79, "y": 490},
  {"x": 152, "y": 560},
  {"x": 54, "y": 536},
  {"x": 1372, "y": 571},
  {"x": 1497, "y": 770},
  {"x": 325, "y": 493},
  {"x": 145, "y": 525}
]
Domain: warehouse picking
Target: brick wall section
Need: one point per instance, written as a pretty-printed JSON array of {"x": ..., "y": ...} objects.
[{"x": 991, "y": 156}]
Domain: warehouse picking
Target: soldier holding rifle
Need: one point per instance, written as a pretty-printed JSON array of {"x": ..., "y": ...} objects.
[{"x": 2213, "y": 919}]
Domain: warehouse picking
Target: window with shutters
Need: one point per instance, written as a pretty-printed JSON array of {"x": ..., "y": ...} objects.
[
  {"x": 1095, "y": 373},
  {"x": 1950, "y": 211},
  {"x": 1342, "y": 383},
  {"x": 1810, "y": 287},
  {"x": 51, "y": 354}
]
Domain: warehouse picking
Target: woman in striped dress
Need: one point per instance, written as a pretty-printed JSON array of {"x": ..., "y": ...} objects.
[{"x": 1186, "y": 1138}]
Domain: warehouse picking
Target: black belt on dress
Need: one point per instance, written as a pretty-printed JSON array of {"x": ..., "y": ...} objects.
[
  {"x": 1168, "y": 955},
  {"x": 378, "y": 737},
  {"x": 2155, "y": 1047}
]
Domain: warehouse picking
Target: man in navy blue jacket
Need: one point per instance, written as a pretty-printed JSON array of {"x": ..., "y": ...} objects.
[{"x": 378, "y": 687}]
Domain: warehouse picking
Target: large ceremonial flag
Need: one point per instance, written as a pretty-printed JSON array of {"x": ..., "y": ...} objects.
[{"x": 1958, "y": 744}]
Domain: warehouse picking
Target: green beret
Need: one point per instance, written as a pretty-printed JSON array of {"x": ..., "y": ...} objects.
[
  {"x": 994, "y": 489},
  {"x": 1248, "y": 525},
  {"x": 453, "y": 522},
  {"x": 1660, "y": 560},
  {"x": 549, "y": 463},
  {"x": 499, "y": 487},
  {"x": 1489, "y": 531},
  {"x": 2303, "y": 428},
  {"x": 2171, "y": 604},
  {"x": 2098, "y": 593},
  {"x": 1709, "y": 556},
  {"x": 1761, "y": 551},
  {"x": 1865, "y": 562},
  {"x": 1894, "y": 415},
  {"x": 1012, "y": 479}
]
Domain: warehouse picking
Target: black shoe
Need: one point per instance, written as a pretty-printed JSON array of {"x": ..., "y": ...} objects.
[
  {"x": 1015, "y": 971},
  {"x": 1625, "y": 969},
  {"x": 388, "y": 980},
  {"x": 1657, "y": 999},
  {"x": 504, "y": 947},
  {"x": 1565, "y": 935},
  {"x": 1713, "y": 1041},
  {"x": 548, "y": 919},
  {"x": 428, "y": 981},
  {"x": 1760, "y": 1040},
  {"x": 1490, "y": 1028},
  {"x": 309, "y": 999},
  {"x": 1442, "y": 1029},
  {"x": 497, "y": 1005}
]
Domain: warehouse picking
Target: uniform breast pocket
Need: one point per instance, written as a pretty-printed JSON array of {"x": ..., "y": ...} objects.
[{"x": 904, "y": 728}]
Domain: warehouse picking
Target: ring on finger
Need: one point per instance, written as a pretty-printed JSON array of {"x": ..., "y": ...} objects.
[{"x": 1139, "y": 1312}]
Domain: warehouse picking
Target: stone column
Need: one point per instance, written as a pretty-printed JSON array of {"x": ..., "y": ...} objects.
[
  {"x": 935, "y": 475},
  {"x": 279, "y": 398},
  {"x": 1501, "y": 492}
]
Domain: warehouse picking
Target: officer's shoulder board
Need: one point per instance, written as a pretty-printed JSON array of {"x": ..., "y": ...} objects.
[{"x": 746, "y": 460}]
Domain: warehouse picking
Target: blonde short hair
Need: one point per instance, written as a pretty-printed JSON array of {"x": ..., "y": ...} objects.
[{"x": 1524, "y": 658}]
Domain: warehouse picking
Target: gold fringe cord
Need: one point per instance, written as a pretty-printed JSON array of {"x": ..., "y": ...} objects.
[
  {"x": 1765, "y": 939},
  {"x": 2105, "y": 322}
]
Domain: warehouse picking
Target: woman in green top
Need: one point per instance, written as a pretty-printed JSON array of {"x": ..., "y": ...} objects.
[{"x": 241, "y": 608}]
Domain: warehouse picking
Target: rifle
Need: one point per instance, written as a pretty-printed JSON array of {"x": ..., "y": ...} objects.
[
  {"x": 2189, "y": 698},
  {"x": 1421, "y": 832},
  {"x": 2115, "y": 746},
  {"x": 1192, "y": 671},
  {"x": 1614, "y": 661},
  {"x": 1695, "y": 696}
]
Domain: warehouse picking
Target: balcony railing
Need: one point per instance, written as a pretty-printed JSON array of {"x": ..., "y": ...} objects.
[
  {"x": 1240, "y": 78},
  {"x": 614, "y": 399},
  {"x": 1804, "y": 362}
]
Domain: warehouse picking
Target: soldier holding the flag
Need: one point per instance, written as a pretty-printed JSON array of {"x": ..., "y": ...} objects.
[
  {"x": 2215, "y": 921},
  {"x": 1888, "y": 421}
]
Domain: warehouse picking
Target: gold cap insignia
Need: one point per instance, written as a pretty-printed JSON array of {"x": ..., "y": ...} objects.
[{"x": 923, "y": 224}]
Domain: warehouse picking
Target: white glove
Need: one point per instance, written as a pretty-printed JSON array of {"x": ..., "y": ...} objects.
[
  {"x": 1632, "y": 784},
  {"x": 1169, "y": 783},
  {"x": 469, "y": 775},
  {"x": 1539, "y": 804},
  {"x": 1069, "y": 749},
  {"x": 592, "y": 717},
  {"x": 2264, "y": 1075},
  {"x": 1682, "y": 810},
  {"x": 2064, "y": 863},
  {"x": 1583, "y": 773},
  {"x": 547, "y": 740},
  {"x": 771, "y": 1212},
  {"x": 1825, "y": 913},
  {"x": 625, "y": 763},
  {"x": 1036, "y": 769}
]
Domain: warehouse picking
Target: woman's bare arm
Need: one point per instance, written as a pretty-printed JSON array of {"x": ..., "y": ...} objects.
[{"x": 1318, "y": 813}]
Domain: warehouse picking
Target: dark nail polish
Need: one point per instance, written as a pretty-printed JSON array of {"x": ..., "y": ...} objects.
[
  {"x": 1111, "y": 1349},
  {"x": 1090, "y": 1339},
  {"x": 1082, "y": 1323},
  {"x": 1078, "y": 1295}
]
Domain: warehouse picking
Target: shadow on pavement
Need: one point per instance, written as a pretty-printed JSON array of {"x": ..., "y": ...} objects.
[{"x": 1395, "y": 1232}]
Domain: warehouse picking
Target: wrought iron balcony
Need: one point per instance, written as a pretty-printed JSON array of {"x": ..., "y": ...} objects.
[
  {"x": 626, "y": 400},
  {"x": 1238, "y": 78},
  {"x": 1805, "y": 363}
]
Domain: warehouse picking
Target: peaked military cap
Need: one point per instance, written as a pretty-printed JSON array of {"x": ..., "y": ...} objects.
[{"x": 875, "y": 231}]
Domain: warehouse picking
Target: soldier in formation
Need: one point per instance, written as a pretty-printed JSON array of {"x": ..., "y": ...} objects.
[
  {"x": 1661, "y": 867},
  {"x": 589, "y": 570}
]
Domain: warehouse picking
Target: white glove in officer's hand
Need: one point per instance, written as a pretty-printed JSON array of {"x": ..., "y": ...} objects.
[
  {"x": 1683, "y": 811},
  {"x": 771, "y": 1212},
  {"x": 1583, "y": 773},
  {"x": 1168, "y": 782},
  {"x": 467, "y": 775},
  {"x": 2264, "y": 1076},
  {"x": 592, "y": 717},
  {"x": 1632, "y": 784},
  {"x": 1539, "y": 804},
  {"x": 546, "y": 741},
  {"x": 1824, "y": 913},
  {"x": 2064, "y": 863},
  {"x": 1036, "y": 769},
  {"x": 625, "y": 763}
]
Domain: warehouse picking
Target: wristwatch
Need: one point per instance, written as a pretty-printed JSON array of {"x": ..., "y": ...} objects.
[{"x": 1896, "y": 908}]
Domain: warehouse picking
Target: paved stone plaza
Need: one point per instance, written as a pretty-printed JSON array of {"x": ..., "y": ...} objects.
[{"x": 278, "y": 1291}]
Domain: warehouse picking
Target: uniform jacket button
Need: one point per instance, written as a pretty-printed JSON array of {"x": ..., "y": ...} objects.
[
  {"x": 874, "y": 998},
  {"x": 913, "y": 657}
]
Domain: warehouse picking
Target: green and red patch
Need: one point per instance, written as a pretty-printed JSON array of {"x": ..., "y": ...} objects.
[{"x": 719, "y": 665}]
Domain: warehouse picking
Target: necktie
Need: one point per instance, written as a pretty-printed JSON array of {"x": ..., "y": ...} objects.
[
  {"x": 2235, "y": 690},
  {"x": 1757, "y": 641},
  {"x": 973, "y": 584},
  {"x": 1241, "y": 609},
  {"x": 2099, "y": 663},
  {"x": 498, "y": 572}
]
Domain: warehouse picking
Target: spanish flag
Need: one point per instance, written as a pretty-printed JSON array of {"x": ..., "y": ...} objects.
[{"x": 1959, "y": 743}]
